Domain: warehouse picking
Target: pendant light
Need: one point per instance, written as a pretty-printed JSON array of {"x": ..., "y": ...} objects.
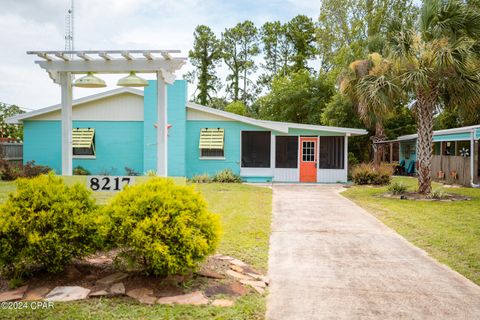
[
  {"x": 89, "y": 81},
  {"x": 132, "y": 80}
]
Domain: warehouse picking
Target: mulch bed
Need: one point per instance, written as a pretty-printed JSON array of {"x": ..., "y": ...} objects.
[{"x": 448, "y": 197}]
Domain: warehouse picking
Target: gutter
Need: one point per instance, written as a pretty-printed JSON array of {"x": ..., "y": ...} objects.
[{"x": 472, "y": 159}]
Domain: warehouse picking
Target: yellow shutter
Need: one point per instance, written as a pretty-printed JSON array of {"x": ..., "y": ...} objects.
[
  {"x": 211, "y": 138},
  {"x": 82, "y": 137}
]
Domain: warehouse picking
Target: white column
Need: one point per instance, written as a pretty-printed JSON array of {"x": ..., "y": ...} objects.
[
  {"x": 272, "y": 155},
  {"x": 346, "y": 156},
  {"x": 162, "y": 145},
  {"x": 66, "y": 85}
]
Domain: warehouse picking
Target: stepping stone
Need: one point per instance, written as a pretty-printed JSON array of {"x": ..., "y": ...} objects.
[
  {"x": 225, "y": 258},
  {"x": 113, "y": 278},
  {"x": 259, "y": 284},
  {"x": 236, "y": 268},
  {"x": 259, "y": 277},
  {"x": 143, "y": 295},
  {"x": 238, "y": 263},
  {"x": 195, "y": 298},
  {"x": 99, "y": 260},
  {"x": 238, "y": 276},
  {"x": 36, "y": 294},
  {"x": 99, "y": 293},
  {"x": 67, "y": 294},
  {"x": 232, "y": 289},
  {"x": 117, "y": 289},
  {"x": 13, "y": 295},
  {"x": 210, "y": 274},
  {"x": 222, "y": 303}
]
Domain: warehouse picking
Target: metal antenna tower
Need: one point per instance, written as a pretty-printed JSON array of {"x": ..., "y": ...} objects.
[{"x": 69, "y": 24}]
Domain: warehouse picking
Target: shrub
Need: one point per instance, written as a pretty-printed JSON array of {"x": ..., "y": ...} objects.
[
  {"x": 30, "y": 169},
  {"x": 437, "y": 194},
  {"x": 372, "y": 174},
  {"x": 226, "y": 176},
  {"x": 201, "y": 178},
  {"x": 397, "y": 188},
  {"x": 131, "y": 172},
  {"x": 162, "y": 226},
  {"x": 80, "y": 171},
  {"x": 151, "y": 173},
  {"x": 45, "y": 223}
]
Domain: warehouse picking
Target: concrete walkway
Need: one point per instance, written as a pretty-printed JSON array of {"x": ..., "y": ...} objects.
[{"x": 330, "y": 259}]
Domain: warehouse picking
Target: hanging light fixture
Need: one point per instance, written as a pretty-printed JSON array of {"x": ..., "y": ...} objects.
[
  {"x": 89, "y": 81},
  {"x": 132, "y": 80}
]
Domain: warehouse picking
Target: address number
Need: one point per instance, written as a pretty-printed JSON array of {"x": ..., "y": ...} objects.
[{"x": 108, "y": 183}]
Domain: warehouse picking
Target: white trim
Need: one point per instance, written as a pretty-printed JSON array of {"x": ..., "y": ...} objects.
[
  {"x": 85, "y": 157},
  {"x": 211, "y": 158},
  {"x": 102, "y": 95},
  {"x": 282, "y": 127},
  {"x": 445, "y": 131}
]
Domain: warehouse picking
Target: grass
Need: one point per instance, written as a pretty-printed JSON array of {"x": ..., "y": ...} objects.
[
  {"x": 245, "y": 213},
  {"x": 448, "y": 231}
]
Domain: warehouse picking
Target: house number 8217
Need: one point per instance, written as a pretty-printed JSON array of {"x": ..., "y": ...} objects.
[{"x": 108, "y": 183}]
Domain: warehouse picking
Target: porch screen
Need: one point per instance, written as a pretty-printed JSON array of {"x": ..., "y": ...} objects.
[
  {"x": 331, "y": 153},
  {"x": 256, "y": 149},
  {"x": 83, "y": 141},
  {"x": 286, "y": 152}
]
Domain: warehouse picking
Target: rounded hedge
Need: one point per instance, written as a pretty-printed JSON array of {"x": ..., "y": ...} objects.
[
  {"x": 163, "y": 226},
  {"x": 45, "y": 223}
]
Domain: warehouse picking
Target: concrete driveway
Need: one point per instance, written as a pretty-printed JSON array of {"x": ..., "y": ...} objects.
[{"x": 330, "y": 259}]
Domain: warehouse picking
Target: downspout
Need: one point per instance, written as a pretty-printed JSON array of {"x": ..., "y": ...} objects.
[{"x": 472, "y": 159}]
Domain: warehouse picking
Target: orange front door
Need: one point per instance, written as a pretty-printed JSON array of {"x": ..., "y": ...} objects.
[{"x": 308, "y": 159}]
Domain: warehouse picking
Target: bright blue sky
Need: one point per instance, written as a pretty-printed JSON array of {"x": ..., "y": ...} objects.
[{"x": 114, "y": 24}]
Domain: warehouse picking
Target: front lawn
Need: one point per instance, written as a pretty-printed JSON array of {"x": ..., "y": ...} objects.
[
  {"x": 245, "y": 212},
  {"x": 448, "y": 231}
]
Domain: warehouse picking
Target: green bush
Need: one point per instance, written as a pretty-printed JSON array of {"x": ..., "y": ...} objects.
[
  {"x": 437, "y": 194},
  {"x": 372, "y": 174},
  {"x": 162, "y": 226},
  {"x": 226, "y": 176},
  {"x": 45, "y": 224},
  {"x": 397, "y": 188},
  {"x": 80, "y": 171},
  {"x": 201, "y": 178}
]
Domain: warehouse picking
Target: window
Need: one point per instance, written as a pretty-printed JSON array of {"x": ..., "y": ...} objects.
[
  {"x": 308, "y": 151},
  {"x": 83, "y": 142},
  {"x": 332, "y": 153},
  {"x": 211, "y": 142},
  {"x": 286, "y": 152},
  {"x": 256, "y": 149}
]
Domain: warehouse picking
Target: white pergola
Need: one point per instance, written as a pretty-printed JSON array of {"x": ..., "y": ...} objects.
[{"x": 62, "y": 65}]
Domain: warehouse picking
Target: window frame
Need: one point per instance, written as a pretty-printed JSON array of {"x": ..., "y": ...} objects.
[
  {"x": 297, "y": 152},
  {"x": 92, "y": 156}
]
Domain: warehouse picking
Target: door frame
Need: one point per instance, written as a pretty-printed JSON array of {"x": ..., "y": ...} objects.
[{"x": 315, "y": 139}]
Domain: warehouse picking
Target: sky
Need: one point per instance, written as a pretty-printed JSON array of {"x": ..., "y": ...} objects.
[{"x": 114, "y": 24}]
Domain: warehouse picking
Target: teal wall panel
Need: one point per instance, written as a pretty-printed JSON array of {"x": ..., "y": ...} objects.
[
  {"x": 150, "y": 132},
  {"x": 452, "y": 137},
  {"x": 233, "y": 129},
  {"x": 118, "y": 144}
]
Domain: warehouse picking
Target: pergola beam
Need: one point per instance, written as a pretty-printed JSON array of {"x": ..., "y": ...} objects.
[
  {"x": 127, "y": 55},
  {"x": 62, "y": 56},
  {"x": 105, "y": 56},
  {"x": 148, "y": 55},
  {"x": 84, "y": 56}
]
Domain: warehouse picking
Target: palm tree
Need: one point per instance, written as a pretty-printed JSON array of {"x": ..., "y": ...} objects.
[
  {"x": 369, "y": 85},
  {"x": 437, "y": 63}
]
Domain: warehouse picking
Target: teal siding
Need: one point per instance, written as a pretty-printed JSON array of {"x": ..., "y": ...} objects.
[
  {"x": 176, "y": 113},
  {"x": 233, "y": 129},
  {"x": 149, "y": 131},
  {"x": 477, "y": 135},
  {"x": 118, "y": 145},
  {"x": 177, "y": 116},
  {"x": 452, "y": 137}
]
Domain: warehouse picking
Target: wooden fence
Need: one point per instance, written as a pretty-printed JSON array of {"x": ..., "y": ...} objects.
[
  {"x": 12, "y": 152},
  {"x": 456, "y": 169}
]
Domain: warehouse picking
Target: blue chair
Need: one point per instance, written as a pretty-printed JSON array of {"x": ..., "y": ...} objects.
[{"x": 411, "y": 167}]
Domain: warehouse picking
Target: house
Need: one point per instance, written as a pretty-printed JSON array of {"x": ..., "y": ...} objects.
[
  {"x": 455, "y": 154},
  {"x": 116, "y": 129}
]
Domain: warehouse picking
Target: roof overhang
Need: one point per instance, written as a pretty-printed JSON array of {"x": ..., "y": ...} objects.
[
  {"x": 102, "y": 95},
  {"x": 452, "y": 131}
]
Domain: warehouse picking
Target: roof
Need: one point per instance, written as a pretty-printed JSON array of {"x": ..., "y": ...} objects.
[
  {"x": 452, "y": 131},
  {"x": 282, "y": 127},
  {"x": 19, "y": 118}
]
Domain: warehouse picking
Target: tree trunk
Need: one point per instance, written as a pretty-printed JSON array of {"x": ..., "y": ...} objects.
[
  {"x": 378, "y": 148},
  {"x": 425, "y": 107}
]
